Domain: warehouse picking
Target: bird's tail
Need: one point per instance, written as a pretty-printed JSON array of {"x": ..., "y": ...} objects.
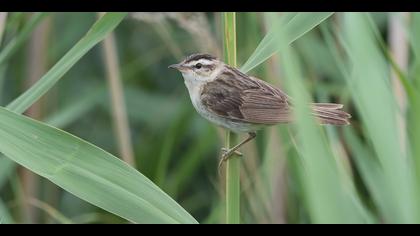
[{"x": 330, "y": 113}]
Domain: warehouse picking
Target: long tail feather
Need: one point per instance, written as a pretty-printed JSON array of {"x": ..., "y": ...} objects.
[{"x": 330, "y": 113}]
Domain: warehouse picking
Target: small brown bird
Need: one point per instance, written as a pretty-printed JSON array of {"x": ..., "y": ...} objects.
[{"x": 241, "y": 103}]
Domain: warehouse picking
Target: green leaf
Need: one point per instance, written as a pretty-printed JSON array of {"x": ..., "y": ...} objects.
[
  {"x": 370, "y": 171},
  {"x": 97, "y": 33},
  {"x": 369, "y": 163},
  {"x": 292, "y": 30},
  {"x": 60, "y": 119},
  {"x": 328, "y": 190},
  {"x": 413, "y": 114},
  {"x": 370, "y": 86},
  {"x": 16, "y": 42},
  {"x": 5, "y": 217},
  {"x": 413, "y": 117},
  {"x": 232, "y": 164},
  {"x": 75, "y": 165},
  {"x": 415, "y": 46},
  {"x": 408, "y": 87},
  {"x": 6, "y": 168},
  {"x": 86, "y": 171}
]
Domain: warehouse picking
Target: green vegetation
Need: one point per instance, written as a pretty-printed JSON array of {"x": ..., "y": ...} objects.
[{"x": 61, "y": 161}]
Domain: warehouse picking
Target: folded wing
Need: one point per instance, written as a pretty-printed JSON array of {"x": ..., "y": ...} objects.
[{"x": 237, "y": 96}]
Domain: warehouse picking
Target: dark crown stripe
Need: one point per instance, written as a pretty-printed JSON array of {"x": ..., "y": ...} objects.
[{"x": 198, "y": 56}]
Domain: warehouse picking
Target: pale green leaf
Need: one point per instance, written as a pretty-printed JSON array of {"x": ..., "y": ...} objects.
[
  {"x": 96, "y": 34},
  {"x": 23, "y": 35},
  {"x": 291, "y": 29},
  {"x": 86, "y": 171}
]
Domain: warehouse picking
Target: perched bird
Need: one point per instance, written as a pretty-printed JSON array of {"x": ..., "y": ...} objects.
[{"x": 241, "y": 103}]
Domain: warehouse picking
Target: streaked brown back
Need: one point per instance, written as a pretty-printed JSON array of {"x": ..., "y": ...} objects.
[{"x": 237, "y": 96}]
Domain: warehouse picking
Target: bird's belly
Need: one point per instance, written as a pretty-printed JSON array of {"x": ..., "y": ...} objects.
[{"x": 235, "y": 126}]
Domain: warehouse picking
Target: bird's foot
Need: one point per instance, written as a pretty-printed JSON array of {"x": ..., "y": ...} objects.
[
  {"x": 226, "y": 154},
  {"x": 225, "y": 151}
]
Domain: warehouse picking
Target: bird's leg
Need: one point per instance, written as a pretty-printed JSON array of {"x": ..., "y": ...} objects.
[
  {"x": 228, "y": 152},
  {"x": 225, "y": 150}
]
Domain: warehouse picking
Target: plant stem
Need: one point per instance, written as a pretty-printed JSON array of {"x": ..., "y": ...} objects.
[
  {"x": 15, "y": 43},
  {"x": 119, "y": 113},
  {"x": 37, "y": 66},
  {"x": 400, "y": 50},
  {"x": 233, "y": 164},
  {"x": 3, "y": 17}
]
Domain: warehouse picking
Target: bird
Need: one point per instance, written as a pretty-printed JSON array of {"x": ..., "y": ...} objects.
[{"x": 242, "y": 103}]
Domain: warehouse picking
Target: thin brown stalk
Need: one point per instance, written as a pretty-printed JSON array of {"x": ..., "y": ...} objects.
[
  {"x": 276, "y": 160},
  {"x": 253, "y": 185},
  {"x": 3, "y": 17},
  {"x": 400, "y": 50},
  {"x": 276, "y": 168},
  {"x": 37, "y": 66},
  {"x": 119, "y": 113}
]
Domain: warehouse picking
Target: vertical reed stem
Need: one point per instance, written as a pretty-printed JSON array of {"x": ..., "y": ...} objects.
[
  {"x": 37, "y": 66},
  {"x": 399, "y": 47},
  {"x": 233, "y": 164},
  {"x": 121, "y": 125},
  {"x": 3, "y": 16}
]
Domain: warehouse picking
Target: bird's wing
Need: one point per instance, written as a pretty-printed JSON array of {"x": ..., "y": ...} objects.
[{"x": 237, "y": 96}]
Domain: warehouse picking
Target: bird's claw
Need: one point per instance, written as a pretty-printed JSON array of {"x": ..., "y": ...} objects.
[
  {"x": 225, "y": 151},
  {"x": 226, "y": 154}
]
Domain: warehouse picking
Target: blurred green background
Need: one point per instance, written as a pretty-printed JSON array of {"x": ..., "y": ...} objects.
[{"x": 121, "y": 97}]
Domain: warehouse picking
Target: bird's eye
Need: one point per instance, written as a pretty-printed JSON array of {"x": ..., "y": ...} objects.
[{"x": 198, "y": 65}]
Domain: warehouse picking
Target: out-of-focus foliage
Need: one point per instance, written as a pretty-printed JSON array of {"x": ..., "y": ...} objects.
[{"x": 367, "y": 172}]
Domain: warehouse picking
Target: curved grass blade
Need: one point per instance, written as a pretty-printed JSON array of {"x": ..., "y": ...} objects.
[
  {"x": 295, "y": 28},
  {"x": 16, "y": 42},
  {"x": 86, "y": 171},
  {"x": 6, "y": 168},
  {"x": 97, "y": 33},
  {"x": 413, "y": 115},
  {"x": 60, "y": 119},
  {"x": 114, "y": 187},
  {"x": 330, "y": 196},
  {"x": 369, "y": 85},
  {"x": 5, "y": 217},
  {"x": 367, "y": 161}
]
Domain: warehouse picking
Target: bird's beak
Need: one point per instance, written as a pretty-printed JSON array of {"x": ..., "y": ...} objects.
[{"x": 178, "y": 66}]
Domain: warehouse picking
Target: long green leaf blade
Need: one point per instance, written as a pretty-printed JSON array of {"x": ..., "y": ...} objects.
[
  {"x": 97, "y": 33},
  {"x": 16, "y": 42},
  {"x": 292, "y": 30},
  {"x": 369, "y": 85},
  {"x": 86, "y": 171},
  {"x": 5, "y": 217},
  {"x": 413, "y": 114},
  {"x": 329, "y": 194}
]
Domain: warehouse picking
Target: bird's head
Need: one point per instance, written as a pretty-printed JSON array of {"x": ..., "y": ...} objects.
[{"x": 199, "y": 67}]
